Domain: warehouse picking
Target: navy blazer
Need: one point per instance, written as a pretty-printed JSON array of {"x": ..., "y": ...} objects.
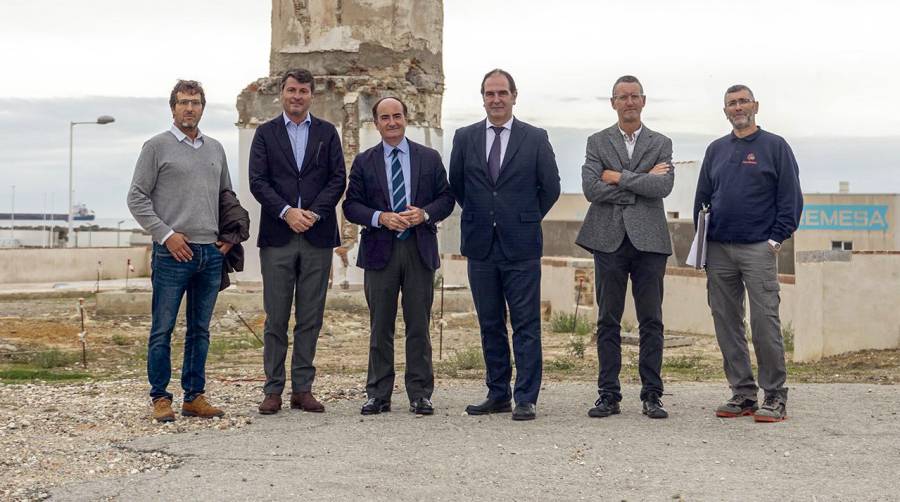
[
  {"x": 526, "y": 189},
  {"x": 276, "y": 181},
  {"x": 368, "y": 192}
]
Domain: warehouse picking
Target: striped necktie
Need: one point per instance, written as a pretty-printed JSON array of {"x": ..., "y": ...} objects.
[{"x": 398, "y": 189}]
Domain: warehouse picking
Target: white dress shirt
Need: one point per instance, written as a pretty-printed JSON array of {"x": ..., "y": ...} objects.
[{"x": 504, "y": 138}]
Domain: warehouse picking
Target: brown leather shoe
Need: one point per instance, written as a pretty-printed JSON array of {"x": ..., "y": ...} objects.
[
  {"x": 270, "y": 405},
  {"x": 162, "y": 410},
  {"x": 200, "y": 407},
  {"x": 306, "y": 401}
]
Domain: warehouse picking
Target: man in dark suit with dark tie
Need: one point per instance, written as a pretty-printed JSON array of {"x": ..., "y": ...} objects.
[
  {"x": 503, "y": 174},
  {"x": 398, "y": 191},
  {"x": 297, "y": 174}
]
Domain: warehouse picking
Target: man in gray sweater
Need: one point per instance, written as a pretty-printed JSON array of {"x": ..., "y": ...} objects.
[{"x": 174, "y": 195}]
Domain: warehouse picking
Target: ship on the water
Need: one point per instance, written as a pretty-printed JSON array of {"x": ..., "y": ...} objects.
[{"x": 80, "y": 212}]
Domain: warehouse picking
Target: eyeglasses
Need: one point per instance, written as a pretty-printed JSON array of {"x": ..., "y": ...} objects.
[
  {"x": 628, "y": 97},
  {"x": 189, "y": 102},
  {"x": 735, "y": 102}
]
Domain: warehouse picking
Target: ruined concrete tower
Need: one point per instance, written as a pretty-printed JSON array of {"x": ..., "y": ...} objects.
[{"x": 359, "y": 51}]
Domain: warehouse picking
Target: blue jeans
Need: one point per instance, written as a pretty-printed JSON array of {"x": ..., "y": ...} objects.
[{"x": 200, "y": 278}]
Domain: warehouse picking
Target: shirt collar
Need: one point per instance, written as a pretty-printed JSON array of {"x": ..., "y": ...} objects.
[
  {"x": 636, "y": 133},
  {"x": 180, "y": 136},
  {"x": 403, "y": 146},
  {"x": 746, "y": 138},
  {"x": 287, "y": 120},
  {"x": 507, "y": 125}
]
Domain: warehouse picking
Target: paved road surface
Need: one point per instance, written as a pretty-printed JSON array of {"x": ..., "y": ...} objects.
[{"x": 842, "y": 442}]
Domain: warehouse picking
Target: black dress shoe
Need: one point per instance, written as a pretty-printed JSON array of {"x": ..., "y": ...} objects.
[
  {"x": 523, "y": 411},
  {"x": 421, "y": 406},
  {"x": 653, "y": 407},
  {"x": 604, "y": 407},
  {"x": 375, "y": 406},
  {"x": 489, "y": 406}
]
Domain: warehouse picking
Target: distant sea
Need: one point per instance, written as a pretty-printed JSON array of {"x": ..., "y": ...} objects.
[{"x": 129, "y": 223}]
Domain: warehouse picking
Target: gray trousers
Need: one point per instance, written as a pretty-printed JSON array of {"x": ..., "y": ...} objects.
[
  {"x": 294, "y": 273},
  {"x": 732, "y": 269},
  {"x": 404, "y": 273}
]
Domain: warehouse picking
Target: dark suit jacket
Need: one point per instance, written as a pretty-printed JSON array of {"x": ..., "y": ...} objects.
[
  {"x": 368, "y": 192},
  {"x": 234, "y": 227},
  {"x": 276, "y": 181},
  {"x": 526, "y": 189}
]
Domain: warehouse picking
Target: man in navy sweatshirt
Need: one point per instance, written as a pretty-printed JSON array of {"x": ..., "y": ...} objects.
[{"x": 750, "y": 181}]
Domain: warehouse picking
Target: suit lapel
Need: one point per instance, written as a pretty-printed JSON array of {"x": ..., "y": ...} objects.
[
  {"x": 480, "y": 137},
  {"x": 284, "y": 141},
  {"x": 313, "y": 142},
  {"x": 377, "y": 164},
  {"x": 415, "y": 170},
  {"x": 618, "y": 143},
  {"x": 516, "y": 137}
]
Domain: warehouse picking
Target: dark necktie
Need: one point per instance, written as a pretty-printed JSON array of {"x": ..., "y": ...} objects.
[
  {"x": 398, "y": 189},
  {"x": 494, "y": 156}
]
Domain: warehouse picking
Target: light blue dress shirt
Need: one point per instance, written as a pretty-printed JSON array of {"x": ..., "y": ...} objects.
[
  {"x": 299, "y": 136},
  {"x": 403, "y": 155}
]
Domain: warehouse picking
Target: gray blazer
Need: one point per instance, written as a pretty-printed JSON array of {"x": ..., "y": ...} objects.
[{"x": 635, "y": 205}]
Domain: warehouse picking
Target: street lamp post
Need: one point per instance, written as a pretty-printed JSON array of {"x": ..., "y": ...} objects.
[{"x": 102, "y": 120}]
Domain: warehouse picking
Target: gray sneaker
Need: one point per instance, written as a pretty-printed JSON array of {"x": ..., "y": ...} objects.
[
  {"x": 774, "y": 409},
  {"x": 737, "y": 406}
]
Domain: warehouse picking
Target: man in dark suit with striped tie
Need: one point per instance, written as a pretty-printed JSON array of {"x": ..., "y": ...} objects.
[{"x": 398, "y": 190}]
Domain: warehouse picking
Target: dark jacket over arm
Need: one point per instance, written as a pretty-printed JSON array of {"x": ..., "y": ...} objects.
[{"x": 234, "y": 228}]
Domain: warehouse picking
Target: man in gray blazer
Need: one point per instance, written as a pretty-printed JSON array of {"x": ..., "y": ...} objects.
[{"x": 627, "y": 172}]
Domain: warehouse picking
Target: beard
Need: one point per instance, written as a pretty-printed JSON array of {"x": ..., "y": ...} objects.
[{"x": 742, "y": 121}]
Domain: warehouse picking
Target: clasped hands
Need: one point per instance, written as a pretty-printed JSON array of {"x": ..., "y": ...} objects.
[
  {"x": 611, "y": 177},
  {"x": 300, "y": 220},
  {"x": 399, "y": 222}
]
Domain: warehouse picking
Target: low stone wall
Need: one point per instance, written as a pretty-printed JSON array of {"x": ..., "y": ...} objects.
[
  {"x": 59, "y": 265},
  {"x": 685, "y": 306},
  {"x": 851, "y": 301}
]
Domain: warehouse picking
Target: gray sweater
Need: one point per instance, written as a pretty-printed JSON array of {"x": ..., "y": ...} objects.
[{"x": 176, "y": 188}]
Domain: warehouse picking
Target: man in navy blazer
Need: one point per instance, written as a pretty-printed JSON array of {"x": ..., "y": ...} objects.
[
  {"x": 297, "y": 174},
  {"x": 503, "y": 174},
  {"x": 398, "y": 191}
]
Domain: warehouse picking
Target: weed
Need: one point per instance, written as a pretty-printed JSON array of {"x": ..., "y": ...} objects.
[
  {"x": 627, "y": 327},
  {"x": 576, "y": 345},
  {"x": 787, "y": 333},
  {"x": 120, "y": 340},
  {"x": 566, "y": 323},
  {"x": 562, "y": 364},
  {"x": 25, "y": 374},
  {"x": 53, "y": 358},
  {"x": 469, "y": 358}
]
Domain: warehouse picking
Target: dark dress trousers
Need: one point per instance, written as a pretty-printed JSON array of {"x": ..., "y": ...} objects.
[
  {"x": 295, "y": 267},
  {"x": 625, "y": 229},
  {"x": 394, "y": 266},
  {"x": 501, "y": 237}
]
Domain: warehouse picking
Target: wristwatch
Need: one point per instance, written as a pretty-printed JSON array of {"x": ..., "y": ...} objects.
[{"x": 426, "y": 215}]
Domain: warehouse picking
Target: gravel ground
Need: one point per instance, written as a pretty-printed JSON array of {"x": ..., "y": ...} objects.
[
  {"x": 842, "y": 442},
  {"x": 55, "y": 434}
]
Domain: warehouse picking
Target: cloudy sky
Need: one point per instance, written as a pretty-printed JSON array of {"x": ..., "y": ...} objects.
[{"x": 825, "y": 73}]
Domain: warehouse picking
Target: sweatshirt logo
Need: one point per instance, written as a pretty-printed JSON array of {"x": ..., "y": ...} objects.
[{"x": 750, "y": 160}]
